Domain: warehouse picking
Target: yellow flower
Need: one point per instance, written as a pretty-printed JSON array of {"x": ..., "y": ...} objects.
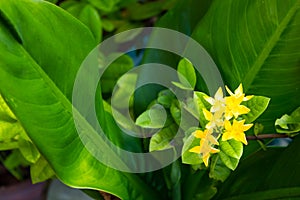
[
  {"x": 233, "y": 107},
  {"x": 206, "y": 144},
  {"x": 215, "y": 119},
  {"x": 218, "y": 103},
  {"x": 236, "y": 131},
  {"x": 238, "y": 93}
]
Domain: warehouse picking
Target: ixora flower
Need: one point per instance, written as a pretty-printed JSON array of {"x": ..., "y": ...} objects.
[
  {"x": 233, "y": 107},
  {"x": 215, "y": 119},
  {"x": 206, "y": 146},
  {"x": 218, "y": 103},
  {"x": 236, "y": 131}
]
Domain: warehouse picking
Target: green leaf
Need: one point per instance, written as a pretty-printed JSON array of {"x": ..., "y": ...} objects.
[
  {"x": 126, "y": 86},
  {"x": 175, "y": 111},
  {"x": 9, "y": 131},
  {"x": 190, "y": 157},
  {"x": 257, "y": 106},
  {"x": 186, "y": 69},
  {"x": 154, "y": 118},
  {"x": 36, "y": 81},
  {"x": 289, "y": 124},
  {"x": 165, "y": 98},
  {"x": 28, "y": 150},
  {"x": 270, "y": 174},
  {"x": 41, "y": 171},
  {"x": 104, "y": 5},
  {"x": 91, "y": 18},
  {"x": 201, "y": 104},
  {"x": 111, "y": 75},
  {"x": 184, "y": 86},
  {"x": 218, "y": 170},
  {"x": 108, "y": 25},
  {"x": 162, "y": 139},
  {"x": 258, "y": 128},
  {"x": 13, "y": 162},
  {"x": 256, "y": 43},
  {"x": 138, "y": 11},
  {"x": 126, "y": 37},
  {"x": 230, "y": 153}
]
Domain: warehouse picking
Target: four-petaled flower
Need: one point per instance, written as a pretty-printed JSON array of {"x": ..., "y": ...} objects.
[
  {"x": 236, "y": 131},
  {"x": 206, "y": 146}
]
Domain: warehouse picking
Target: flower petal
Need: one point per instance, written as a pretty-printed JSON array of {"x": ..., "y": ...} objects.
[
  {"x": 207, "y": 114},
  {"x": 199, "y": 134},
  {"x": 195, "y": 149},
  {"x": 205, "y": 159},
  {"x": 229, "y": 91}
]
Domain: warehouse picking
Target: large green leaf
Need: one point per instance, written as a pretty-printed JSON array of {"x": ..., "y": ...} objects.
[
  {"x": 271, "y": 174},
  {"x": 37, "y": 70},
  {"x": 256, "y": 43}
]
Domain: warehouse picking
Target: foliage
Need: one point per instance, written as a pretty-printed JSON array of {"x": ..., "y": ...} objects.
[{"x": 255, "y": 46}]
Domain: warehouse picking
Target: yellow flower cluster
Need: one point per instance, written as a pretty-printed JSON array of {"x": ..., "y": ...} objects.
[{"x": 222, "y": 121}]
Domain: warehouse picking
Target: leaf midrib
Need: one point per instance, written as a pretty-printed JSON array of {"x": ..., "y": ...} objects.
[{"x": 255, "y": 68}]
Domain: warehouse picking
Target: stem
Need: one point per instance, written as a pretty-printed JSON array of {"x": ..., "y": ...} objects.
[{"x": 266, "y": 136}]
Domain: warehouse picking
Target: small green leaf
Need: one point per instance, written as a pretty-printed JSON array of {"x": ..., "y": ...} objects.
[
  {"x": 68, "y": 3},
  {"x": 41, "y": 171},
  {"x": 230, "y": 162},
  {"x": 175, "y": 111},
  {"x": 257, "y": 105},
  {"x": 190, "y": 157},
  {"x": 28, "y": 150},
  {"x": 9, "y": 131},
  {"x": 153, "y": 118},
  {"x": 126, "y": 86},
  {"x": 218, "y": 170},
  {"x": 138, "y": 11},
  {"x": 184, "y": 86},
  {"x": 115, "y": 70},
  {"x": 230, "y": 153},
  {"x": 108, "y": 25},
  {"x": 232, "y": 148},
  {"x": 201, "y": 104},
  {"x": 190, "y": 105},
  {"x": 186, "y": 72},
  {"x": 13, "y": 161},
  {"x": 258, "y": 128},
  {"x": 90, "y": 17},
  {"x": 165, "y": 98},
  {"x": 125, "y": 37},
  {"x": 161, "y": 140},
  {"x": 74, "y": 7},
  {"x": 4, "y": 146},
  {"x": 289, "y": 124},
  {"x": 104, "y": 5}
]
